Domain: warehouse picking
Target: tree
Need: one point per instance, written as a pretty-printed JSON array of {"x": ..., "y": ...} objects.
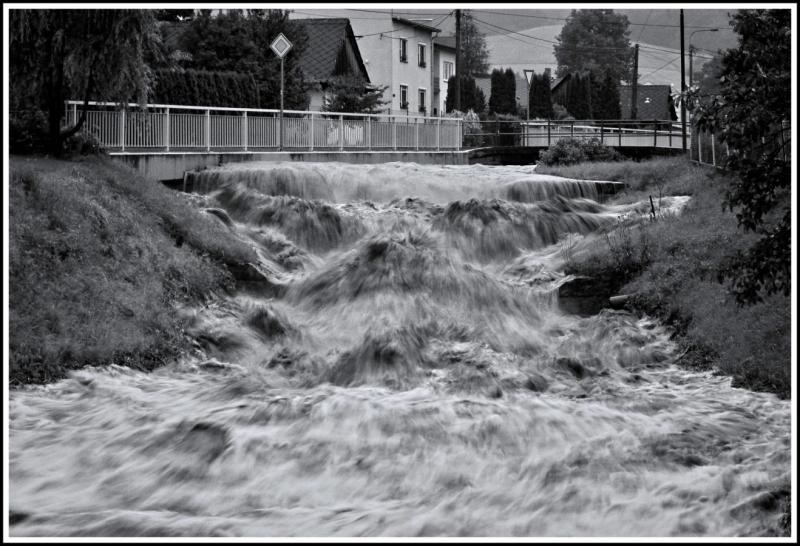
[
  {"x": 540, "y": 100},
  {"x": 605, "y": 97},
  {"x": 474, "y": 55},
  {"x": 578, "y": 96},
  {"x": 472, "y": 98},
  {"x": 503, "y": 98},
  {"x": 595, "y": 40},
  {"x": 56, "y": 55},
  {"x": 747, "y": 114},
  {"x": 353, "y": 94},
  {"x": 239, "y": 40}
]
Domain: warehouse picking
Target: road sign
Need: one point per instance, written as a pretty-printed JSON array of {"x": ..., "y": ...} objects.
[{"x": 281, "y": 45}]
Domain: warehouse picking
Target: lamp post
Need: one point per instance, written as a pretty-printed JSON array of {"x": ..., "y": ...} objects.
[{"x": 691, "y": 50}]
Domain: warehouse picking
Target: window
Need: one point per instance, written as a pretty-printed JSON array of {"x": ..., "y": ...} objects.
[
  {"x": 448, "y": 69},
  {"x": 403, "y": 97},
  {"x": 422, "y": 101},
  {"x": 421, "y": 54},
  {"x": 403, "y": 50}
]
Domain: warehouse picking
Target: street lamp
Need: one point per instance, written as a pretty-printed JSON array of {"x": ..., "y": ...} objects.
[
  {"x": 691, "y": 50},
  {"x": 528, "y": 76}
]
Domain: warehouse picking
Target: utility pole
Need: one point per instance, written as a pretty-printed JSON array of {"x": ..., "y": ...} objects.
[
  {"x": 635, "y": 85},
  {"x": 683, "y": 93},
  {"x": 458, "y": 60},
  {"x": 691, "y": 70}
]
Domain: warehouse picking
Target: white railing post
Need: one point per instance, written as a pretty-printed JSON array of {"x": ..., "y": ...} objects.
[
  {"x": 460, "y": 134},
  {"x": 166, "y": 129},
  {"x": 74, "y": 114},
  {"x": 699, "y": 147},
  {"x": 311, "y": 132},
  {"x": 713, "y": 151},
  {"x": 438, "y": 133},
  {"x": 208, "y": 130},
  {"x": 122, "y": 130},
  {"x": 394, "y": 132},
  {"x": 369, "y": 133},
  {"x": 341, "y": 132},
  {"x": 244, "y": 129},
  {"x": 416, "y": 134}
]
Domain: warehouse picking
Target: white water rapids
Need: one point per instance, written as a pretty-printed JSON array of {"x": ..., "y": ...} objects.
[{"x": 406, "y": 371}]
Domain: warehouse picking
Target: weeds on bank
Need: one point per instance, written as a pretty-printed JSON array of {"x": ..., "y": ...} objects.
[
  {"x": 97, "y": 258},
  {"x": 672, "y": 266}
]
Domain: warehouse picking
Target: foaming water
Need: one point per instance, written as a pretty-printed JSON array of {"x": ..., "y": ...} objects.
[{"x": 414, "y": 377}]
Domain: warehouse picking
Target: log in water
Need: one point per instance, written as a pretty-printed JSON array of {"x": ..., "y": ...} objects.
[{"x": 413, "y": 376}]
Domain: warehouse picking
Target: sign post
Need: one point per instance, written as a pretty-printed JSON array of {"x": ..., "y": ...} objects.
[{"x": 281, "y": 47}]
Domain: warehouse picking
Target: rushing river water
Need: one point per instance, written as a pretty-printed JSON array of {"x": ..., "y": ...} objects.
[{"x": 406, "y": 371}]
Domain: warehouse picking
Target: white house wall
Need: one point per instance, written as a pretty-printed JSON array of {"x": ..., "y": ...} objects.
[{"x": 380, "y": 50}]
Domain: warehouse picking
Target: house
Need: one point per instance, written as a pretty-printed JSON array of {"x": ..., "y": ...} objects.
[
  {"x": 397, "y": 53},
  {"x": 653, "y": 101},
  {"x": 332, "y": 52},
  {"x": 444, "y": 66}
]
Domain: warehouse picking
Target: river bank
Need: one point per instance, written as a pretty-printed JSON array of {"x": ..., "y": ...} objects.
[
  {"x": 672, "y": 265},
  {"x": 98, "y": 258}
]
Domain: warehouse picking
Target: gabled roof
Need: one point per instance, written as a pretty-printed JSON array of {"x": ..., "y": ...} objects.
[
  {"x": 415, "y": 24},
  {"x": 326, "y": 38},
  {"x": 445, "y": 42}
]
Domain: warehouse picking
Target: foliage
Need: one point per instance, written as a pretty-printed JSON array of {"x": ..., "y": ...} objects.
[
  {"x": 98, "y": 257},
  {"x": 203, "y": 88},
  {"x": 474, "y": 54},
  {"x": 353, "y": 94},
  {"x": 570, "y": 151},
  {"x": 560, "y": 113},
  {"x": 239, "y": 40},
  {"x": 754, "y": 99},
  {"x": 472, "y": 97},
  {"x": 470, "y": 127},
  {"x": 503, "y": 99},
  {"x": 673, "y": 271},
  {"x": 578, "y": 100},
  {"x": 506, "y": 127},
  {"x": 595, "y": 40},
  {"x": 605, "y": 97},
  {"x": 540, "y": 100},
  {"x": 58, "y": 54}
]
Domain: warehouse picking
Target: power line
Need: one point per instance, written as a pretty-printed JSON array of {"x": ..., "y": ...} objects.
[
  {"x": 566, "y": 19},
  {"x": 649, "y": 13},
  {"x": 662, "y": 67}
]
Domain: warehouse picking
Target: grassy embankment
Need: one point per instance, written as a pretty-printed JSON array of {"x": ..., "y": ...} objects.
[
  {"x": 98, "y": 258},
  {"x": 672, "y": 265}
]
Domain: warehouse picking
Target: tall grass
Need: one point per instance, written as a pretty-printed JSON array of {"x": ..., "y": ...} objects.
[
  {"x": 98, "y": 256},
  {"x": 673, "y": 264}
]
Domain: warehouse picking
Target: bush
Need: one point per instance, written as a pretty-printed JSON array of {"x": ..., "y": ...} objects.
[
  {"x": 27, "y": 131},
  {"x": 569, "y": 151},
  {"x": 471, "y": 127}
]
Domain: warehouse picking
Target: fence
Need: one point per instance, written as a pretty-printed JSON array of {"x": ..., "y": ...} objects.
[
  {"x": 629, "y": 133},
  {"x": 176, "y": 129},
  {"x": 707, "y": 148}
]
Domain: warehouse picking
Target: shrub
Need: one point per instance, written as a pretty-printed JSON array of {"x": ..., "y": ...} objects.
[
  {"x": 569, "y": 151},
  {"x": 27, "y": 131},
  {"x": 471, "y": 127}
]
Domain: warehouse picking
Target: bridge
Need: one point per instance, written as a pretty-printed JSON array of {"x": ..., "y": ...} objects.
[{"x": 165, "y": 141}]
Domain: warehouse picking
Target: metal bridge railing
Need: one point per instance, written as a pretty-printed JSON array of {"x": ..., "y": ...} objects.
[{"x": 177, "y": 129}]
